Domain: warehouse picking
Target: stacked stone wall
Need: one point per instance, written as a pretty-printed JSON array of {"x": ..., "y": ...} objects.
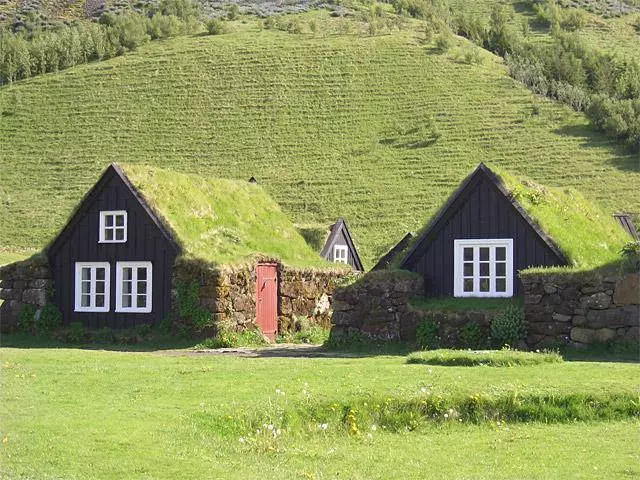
[
  {"x": 581, "y": 309},
  {"x": 377, "y": 306},
  {"x": 229, "y": 293},
  {"x": 23, "y": 283}
]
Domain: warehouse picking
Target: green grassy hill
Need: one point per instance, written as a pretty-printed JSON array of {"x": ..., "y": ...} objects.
[{"x": 376, "y": 129}]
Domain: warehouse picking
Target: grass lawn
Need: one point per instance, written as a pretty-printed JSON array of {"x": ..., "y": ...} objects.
[{"x": 68, "y": 413}]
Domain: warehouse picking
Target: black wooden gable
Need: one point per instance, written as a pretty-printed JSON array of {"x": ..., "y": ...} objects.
[
  {"x": 112, "y": 174},
  {"x": 340, "y": 235},
  {"x": 389, "y": 257},
  {"x": 147, "y": 240},
  {"x": 481, "y": 208}
]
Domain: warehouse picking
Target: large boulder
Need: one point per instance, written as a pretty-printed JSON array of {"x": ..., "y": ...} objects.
[
  {"x": 599, "y": 301},
  {"x": 606, "y": 318},
  {"x": 627, "y": 290},
  {"x": 582, "y": 335}
]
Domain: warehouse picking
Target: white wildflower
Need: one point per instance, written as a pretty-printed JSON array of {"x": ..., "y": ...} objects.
[
  {"x": 374, "y": 427},
  {"x": 269, "y": 427},
  {"x": 278, "y": 431},
  {"x": 323, "y": 426},
  {"x": 242, "y": 439},
  {"x": 446, "y": 415}
]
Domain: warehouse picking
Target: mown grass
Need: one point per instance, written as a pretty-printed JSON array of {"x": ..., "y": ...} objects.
[
  {"x": 490, "y": 358},
  {"x": 329, "y": 125},
  {"x": 75, "y": 413}
]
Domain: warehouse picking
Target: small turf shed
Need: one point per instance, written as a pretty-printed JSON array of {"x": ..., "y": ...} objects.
[
  {"x": 340, "y": 248},
  {"x": 117, "y": 260},
  {"x": 494, "y": 226}
]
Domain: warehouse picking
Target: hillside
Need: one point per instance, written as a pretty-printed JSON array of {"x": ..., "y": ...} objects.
[{"x": 376, "y": 129}]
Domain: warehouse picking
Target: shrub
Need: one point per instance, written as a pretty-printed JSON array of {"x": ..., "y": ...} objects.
[
  {"x": 216, "y": 27},
  {"x": 143, "y": 330},
  {"x": 50, "y": 318},
  {"x": 631, "y": 256},
  {"x": 573, "y": 19},
  {"x": 164, "y": 26},
  {"x": 270, "y": 23},
  {"x": 508, "y": 328},
  {"x": 445, "y": 40},
  {"x": 76, "y": 332},
  {"x": 427, "y": 334},
  {"x": 166, "y": 324},
  {"x": 27, "y": 318},
  {"x": 473, "y": 336},
  {"x": 233, "y": 12},
  {"x": 104, "y": 335}
]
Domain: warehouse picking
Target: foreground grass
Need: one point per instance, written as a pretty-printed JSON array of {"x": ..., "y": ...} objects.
[
  {"x": 75, "y": 413},
  {"x": 378, "y": 129},
  {"x": 491, "y": 358}
]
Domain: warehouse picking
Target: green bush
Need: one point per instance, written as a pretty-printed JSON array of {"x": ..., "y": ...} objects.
[
  {"x": 473, "y": 336},
  {"x": 508, "y": 328},
  {"x": 427, "y": 334},
  {"x": 233, "y": 12},
  {"x": 104, "y": 335},
  {"x": 76, "y": 332},
  {"x": 631, "y": 256},
  {"x": 445, "y": 40},
  {"x": 50, "y": 318},
  {"x": 27, "y": 318},
  {"x": 166, "y": 324},
  {"x": 216, "y": 27}
]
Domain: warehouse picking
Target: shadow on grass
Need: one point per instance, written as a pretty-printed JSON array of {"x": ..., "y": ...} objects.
[
  {"x": 20, "y": 340},
  {"x": 625, "y": 159}
]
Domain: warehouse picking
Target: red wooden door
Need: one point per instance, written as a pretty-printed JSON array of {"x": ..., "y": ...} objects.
[{"x": 267, "y": 299}]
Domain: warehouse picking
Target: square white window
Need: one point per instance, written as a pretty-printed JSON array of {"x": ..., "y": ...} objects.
[
  {"x": 133, "y": 287},
  {"x": 113, "y": 226},
  {"x": 483, "y": 268},
  {"x": 340, "y": 254},
  {"x": 92, "y": 287}
]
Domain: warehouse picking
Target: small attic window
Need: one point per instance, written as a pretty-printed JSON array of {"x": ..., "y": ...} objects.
[
  {"x": 340, "y": 254},
  {"x": 113, "y": 226}
]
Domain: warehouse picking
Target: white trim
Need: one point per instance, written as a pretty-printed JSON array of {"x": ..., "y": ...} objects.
[
  {"x": 134, "y": 287},
  {"x": 103, "y": 227},
  {"x": 93, "y": 266},
  {"x": 340, "y": 254},
  {"x": 476, "y": 244}
]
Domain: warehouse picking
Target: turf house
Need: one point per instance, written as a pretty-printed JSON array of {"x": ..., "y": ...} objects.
[
  {"x": 494, "y": 226},
  {"x": 146, "y": 244},
  {"x": 339, "y": 246}
]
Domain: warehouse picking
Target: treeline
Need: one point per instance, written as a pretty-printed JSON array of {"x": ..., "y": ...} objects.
[
  {"x": 606, "y": 87},
  {"x": 25, "y": 54}
]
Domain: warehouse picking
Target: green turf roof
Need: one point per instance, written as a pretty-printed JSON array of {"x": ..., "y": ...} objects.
[
  {"x": 222, "y": 221},
  {"x": 586, "y": 235}
]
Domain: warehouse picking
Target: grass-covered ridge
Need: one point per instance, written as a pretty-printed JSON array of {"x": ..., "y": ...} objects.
[
  {"x": 330, "y": 125},
  {"x": 491, "y": 358},
  {"x": 588, "y": 236},
  {"x": 222, "y": 221}
]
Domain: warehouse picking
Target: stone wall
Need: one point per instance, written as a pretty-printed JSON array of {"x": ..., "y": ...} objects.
[
  {"x": 23, "y": 283},
  {"x": 581, "y": 308},
  {"x": 229, "y": 293},
  {"x": 377, "y": 306}
]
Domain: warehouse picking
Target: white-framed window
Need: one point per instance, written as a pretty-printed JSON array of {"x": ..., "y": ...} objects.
[
  {"x": 340, "y": 254},
  {"x": 92, "y": 287},
  {"x": 133, "y": 287},
  {"x": 483, "y": 268},
  {"x": 113, "y": 226}
]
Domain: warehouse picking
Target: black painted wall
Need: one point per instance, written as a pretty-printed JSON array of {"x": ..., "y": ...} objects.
[
  {"x": 79, "y": 243},
  {"x": 480, "y": 211}
]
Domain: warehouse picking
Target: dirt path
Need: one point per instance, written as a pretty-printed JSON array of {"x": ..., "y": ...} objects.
[{"x": 291, "y": 350}]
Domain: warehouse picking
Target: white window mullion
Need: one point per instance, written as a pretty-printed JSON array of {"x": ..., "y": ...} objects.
[
  {"x": 476, "y": 269},
  {"x": 492, "y": 271}
]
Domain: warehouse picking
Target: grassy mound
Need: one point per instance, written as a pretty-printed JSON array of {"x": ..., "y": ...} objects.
[
  {"x": 377, "y": 129},
  {"x": 222, "y": 221},
  {"x": 490, "y": 358}
]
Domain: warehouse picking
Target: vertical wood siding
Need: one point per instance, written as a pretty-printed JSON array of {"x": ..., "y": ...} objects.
[
  {"x": 145, "y": 242},
  {"x": 481, "y": 212}
]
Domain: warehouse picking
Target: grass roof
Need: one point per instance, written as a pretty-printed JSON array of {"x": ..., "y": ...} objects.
[
  {"x": 588, "y": 236},
  {"x": 222, "y": 221}
]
